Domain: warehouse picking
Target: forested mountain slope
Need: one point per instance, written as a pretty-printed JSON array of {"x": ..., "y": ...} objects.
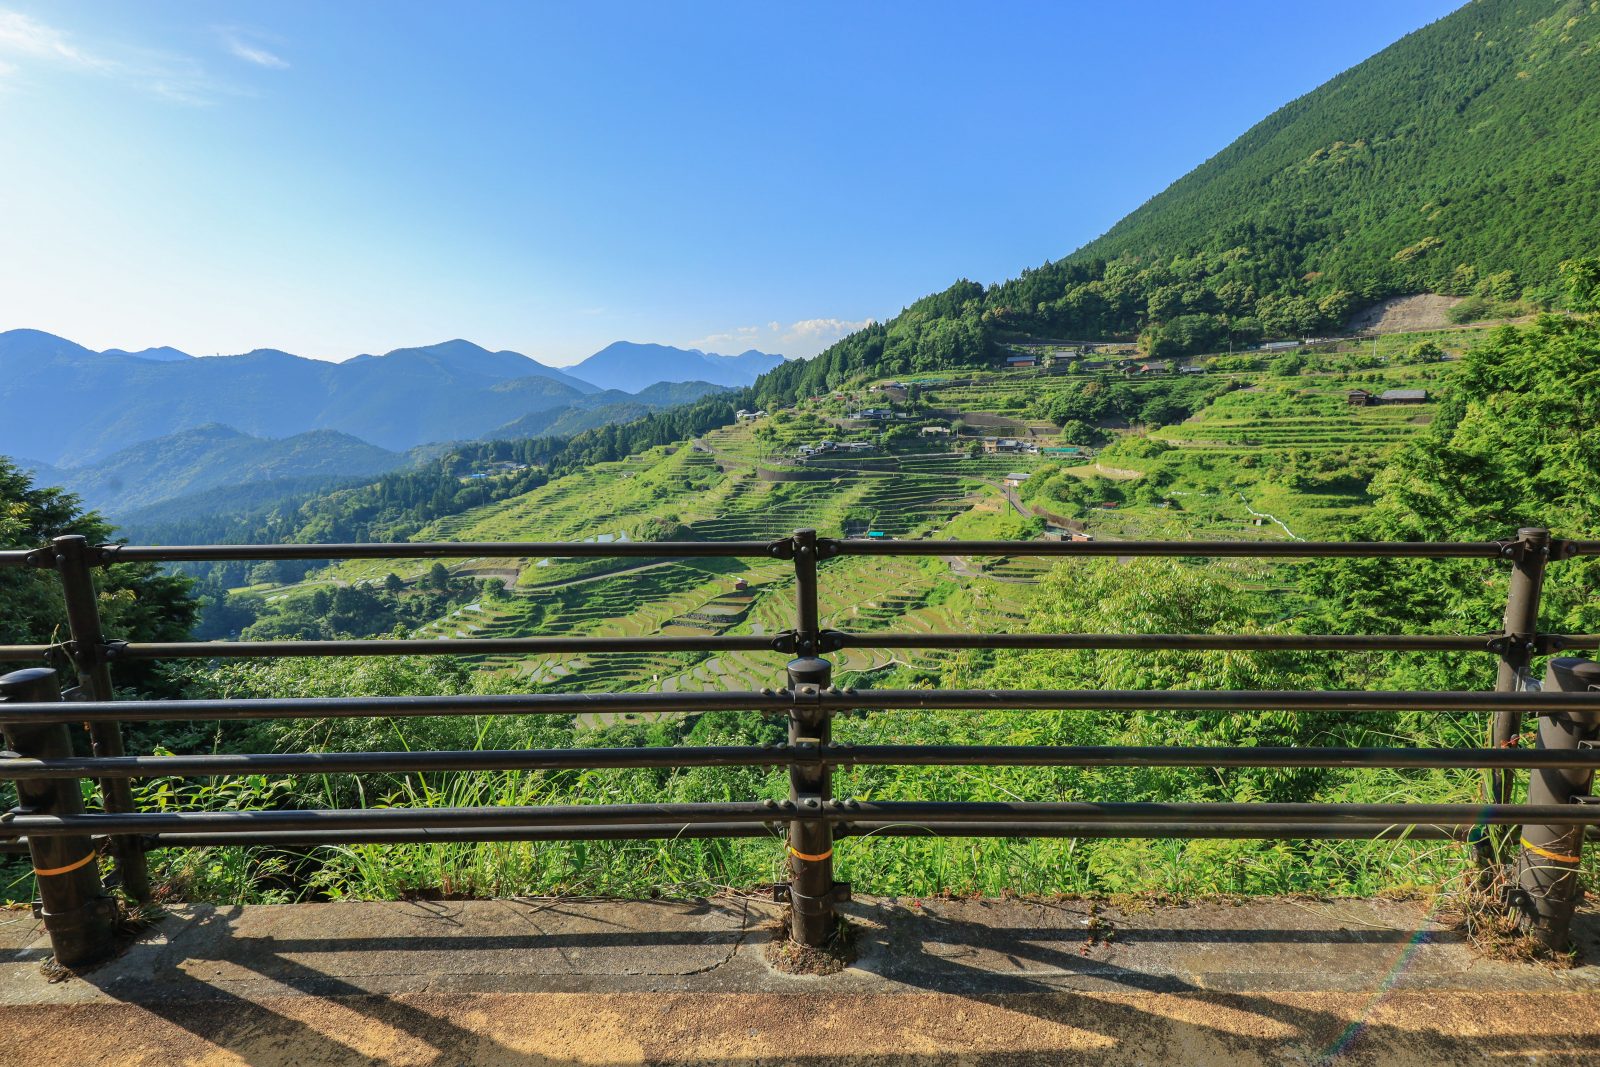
[
  {"x": 1463, "y": 151},
  {"x": 1463, "y": 159},
  {"x": 217, "y": 457}
]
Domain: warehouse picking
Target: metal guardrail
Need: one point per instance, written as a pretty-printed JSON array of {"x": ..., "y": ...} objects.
[{"x": 63, "y": 840}]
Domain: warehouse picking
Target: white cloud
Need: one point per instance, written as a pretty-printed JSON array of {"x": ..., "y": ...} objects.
[
  {"x": 251, "y": 52},
  {"x": 826, "y": 330},
  {"x": 21, "y": 35},
  {"x": 168, "y": 75},
  {"x": 806, "y": 337}
]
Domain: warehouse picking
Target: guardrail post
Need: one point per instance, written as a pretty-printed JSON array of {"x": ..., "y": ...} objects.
[
  {"x": 78, "y": 914},
  {"x": 1547, "y": 891},
  {"x": 811, "y": 890},
  {"x": 1516, "y": 652},
  {"x": 75, "y": 563}
]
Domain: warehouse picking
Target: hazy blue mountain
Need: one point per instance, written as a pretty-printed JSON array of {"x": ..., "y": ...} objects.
[
  {"x": 66, "y": 405},
  {"x": 460, "y": 356},
  {"x": 165, "y": 353},
  {"x": 602, "y": 409},
  {"x": 216, "y": 457},
  {"x": 625, "y": 364},
  {"x": 38, "y": 345}
]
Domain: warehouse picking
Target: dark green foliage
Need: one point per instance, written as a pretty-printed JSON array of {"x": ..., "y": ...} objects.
[
  {"x": 1516, "y": 443},
  {"x": 344, "y": 611},
  {"x": 136, "y": 600}
]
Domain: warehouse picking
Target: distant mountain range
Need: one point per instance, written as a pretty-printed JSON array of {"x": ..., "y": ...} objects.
[
  {"x": 66, "y": 405},
  {"x": 133, "y": 430},
  {"x": 624, "y": 364},
  {"x": 215, "y": 457}
]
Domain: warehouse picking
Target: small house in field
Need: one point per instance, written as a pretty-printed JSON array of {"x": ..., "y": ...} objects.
[
  {"x": 1002, "y": 444},
  {"x": 1021, "y": 362},
  {"x": 740, "y": 585},
  {"x": 935, "y": 431},
  {"x": 1015, "y": 479}
]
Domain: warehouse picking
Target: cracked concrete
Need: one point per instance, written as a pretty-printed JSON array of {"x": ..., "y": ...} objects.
[{"x": 627, "y": 982}]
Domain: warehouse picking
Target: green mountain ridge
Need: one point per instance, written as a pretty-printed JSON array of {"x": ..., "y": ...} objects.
[
  {"x": 1463, "y": 159},
  {"x": 216, "y": 457}
]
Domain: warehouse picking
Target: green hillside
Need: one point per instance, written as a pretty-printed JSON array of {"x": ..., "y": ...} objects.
[
  {"x": 1461, "y": 160},
  {"x": 1463, "y": 151},
  {"x": 219, "y": 457}
]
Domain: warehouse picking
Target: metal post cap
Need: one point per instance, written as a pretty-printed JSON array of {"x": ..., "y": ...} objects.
[
  {"x": 1572, "y": 673},
  {"x": 28, "y": 676}
]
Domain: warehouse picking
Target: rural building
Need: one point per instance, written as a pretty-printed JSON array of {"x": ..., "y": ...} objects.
[
  {"x": 1015, "y": 479},
  {"x": 1360, "y": 398},
  {"x": 1191, "y": 369},
  {"x": 1003, "y": 444},
  {"x": 747, "y": 416},
  {"x": 935, "y": 431},
  {"x": 1274, "y": 346},
  {"x": 1017, "y": 362}
]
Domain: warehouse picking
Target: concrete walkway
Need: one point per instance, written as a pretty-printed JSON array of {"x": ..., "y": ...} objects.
[{"x": 606, "y": 982}]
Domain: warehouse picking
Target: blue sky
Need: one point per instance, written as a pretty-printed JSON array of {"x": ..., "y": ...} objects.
[{"x": 340, "y": 177}]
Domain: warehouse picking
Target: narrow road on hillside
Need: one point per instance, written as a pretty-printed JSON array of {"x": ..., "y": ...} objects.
[{"x": 634, "y": 568}]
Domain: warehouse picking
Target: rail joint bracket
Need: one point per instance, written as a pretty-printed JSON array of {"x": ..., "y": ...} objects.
[{"x": 43, "y": 558}]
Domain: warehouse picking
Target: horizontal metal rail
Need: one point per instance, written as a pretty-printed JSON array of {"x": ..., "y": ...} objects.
[
  {"x": 783, "y": 641},
  {"x": 1209, "y": 549},
  {"x": 452, "y": 646},
  {"x": 672, "y": 817},
  {"x": 439, "y": 550},
  {"x": 835, "y": 639},
  {"x": 1221, "y": 700},
  {"x": 827, "y": 547},
  {"x": 1014, "y": 830},
  {"x": 16, "y": 768}
]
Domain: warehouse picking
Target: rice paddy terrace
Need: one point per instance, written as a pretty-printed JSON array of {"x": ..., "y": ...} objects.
[
  {"x": 718, "y": 489},
  {"x": 1269, "y": 457}
]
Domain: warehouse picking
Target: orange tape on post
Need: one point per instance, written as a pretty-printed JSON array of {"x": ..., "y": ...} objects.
[
  {"x": 814, "y": 859},
  {"x": 69, "y": 868},
  {"x": 1547, "y": 854}
]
